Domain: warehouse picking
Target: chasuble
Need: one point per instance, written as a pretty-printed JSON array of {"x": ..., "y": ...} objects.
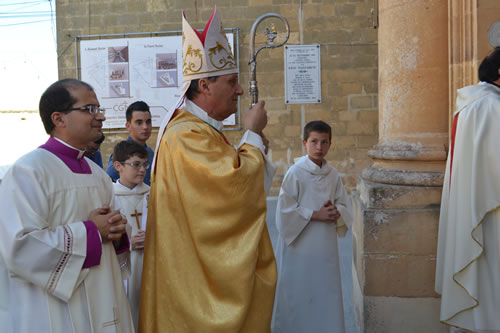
[
  {"x": 468, "y": 256},
  {"x": 208, "y": 263},
  {"x": 46, "y": 284}
]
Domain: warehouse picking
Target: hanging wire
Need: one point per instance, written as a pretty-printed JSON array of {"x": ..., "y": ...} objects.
[
  {"x": 23, "y": 7},
  {"x": 13, "y": 24},
  {"x": 52, "y": 24},
  {"x": 19, "y": 17},
  {"x": 23, "y": 14},
  {"x": 19, "y": 3}
]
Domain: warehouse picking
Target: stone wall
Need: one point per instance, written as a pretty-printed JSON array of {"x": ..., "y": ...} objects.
[{"x": 348, "y": 42}]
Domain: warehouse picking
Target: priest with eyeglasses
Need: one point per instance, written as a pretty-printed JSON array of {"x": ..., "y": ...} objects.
[{"x": 64, "y": 250}]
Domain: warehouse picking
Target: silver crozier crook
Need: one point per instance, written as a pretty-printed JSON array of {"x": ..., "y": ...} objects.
[{"x": 271, "y": 34}]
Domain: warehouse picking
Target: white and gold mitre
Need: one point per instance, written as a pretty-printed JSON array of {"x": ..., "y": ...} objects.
[
  {"x": 208, "y": 53},
  {"x": 203, "y": 55}
]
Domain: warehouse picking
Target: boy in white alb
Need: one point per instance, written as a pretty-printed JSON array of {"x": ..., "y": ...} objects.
[
  {"x": 130, "y": 159},
  {"x": 313, "y": 207}
]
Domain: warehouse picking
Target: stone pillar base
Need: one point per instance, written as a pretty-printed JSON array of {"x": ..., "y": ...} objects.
[
  {"x": 394, "y": 243},
  {"x": 398, "y": 314}
]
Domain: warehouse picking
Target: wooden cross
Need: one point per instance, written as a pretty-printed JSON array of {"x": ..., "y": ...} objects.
[{"x": 136, "y": 215}]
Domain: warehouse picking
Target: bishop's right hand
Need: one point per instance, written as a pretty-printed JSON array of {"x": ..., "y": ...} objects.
[{"x": 255, "y": 118}]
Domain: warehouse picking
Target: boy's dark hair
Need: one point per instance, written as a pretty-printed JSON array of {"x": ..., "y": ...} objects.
[
  {"x": 128, "y": 148},
  {"x": 57, "y": 98},
  {"x": 136, "y": 106},
  {"x": 193, "y": 90},
  {"x": 317, "y": 126},
  {"x": 488, "y": 70}
]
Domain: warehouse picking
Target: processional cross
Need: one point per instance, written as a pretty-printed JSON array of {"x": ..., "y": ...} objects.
[{"x": 136, "y": 215}]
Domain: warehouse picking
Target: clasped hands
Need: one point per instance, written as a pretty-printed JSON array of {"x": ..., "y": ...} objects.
[
  {"x": 328, "y": 213},
  {"x": 111, "y": 224}
]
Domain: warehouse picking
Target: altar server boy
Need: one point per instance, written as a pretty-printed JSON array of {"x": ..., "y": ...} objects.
[
  {"x": 130, "y": 159},
  {"x": 313, "y": 208}
]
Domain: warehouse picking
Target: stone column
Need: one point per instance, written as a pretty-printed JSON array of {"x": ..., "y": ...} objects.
[
  {"x": 463, "y": 47},
  {"x": 397, "y": 207}
]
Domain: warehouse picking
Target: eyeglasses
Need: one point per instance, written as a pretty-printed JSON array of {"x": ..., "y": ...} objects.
[
  {"x": 137, "y": 165},
  {"x": 92, "y": 109}
]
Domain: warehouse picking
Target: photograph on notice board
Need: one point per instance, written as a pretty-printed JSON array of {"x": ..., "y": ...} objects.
[
  {"x": 165, "y": 79},
  {"x": 118, "y": 72},
  {"x": 118, "y": 54},
  {"x": 118, "y": 89},
  {"x": 166, "y": 61}
]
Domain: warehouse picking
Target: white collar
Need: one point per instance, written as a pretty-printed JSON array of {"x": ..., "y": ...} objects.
[
  {"x": 195, "y": 110},
  {"x": 80, "y": 152},
  {"x": 127, "y": 188},
  {"x": 305, "y": 163}
]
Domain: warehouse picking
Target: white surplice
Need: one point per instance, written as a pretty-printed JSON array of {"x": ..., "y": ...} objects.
[
  {"x": 131, "y": 203},
  {"x": 43, "y": 244},
  {"x": 468, "y": 256},
  {"x": 308, "y": 293}
]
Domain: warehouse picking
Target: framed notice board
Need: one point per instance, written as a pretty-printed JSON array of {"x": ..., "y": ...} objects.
[{"x": 124, "y": 68}]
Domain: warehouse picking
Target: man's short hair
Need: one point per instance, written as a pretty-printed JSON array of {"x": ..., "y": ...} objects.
[
  {"x": 488, "y": 70},
  {"x": 128, "y": 148},
  {"x": 193, "y": 90},
  {"x": 57, "y": 98},
  {"x": 136, "y": 106},
  {"x": 317, "y": 126}
]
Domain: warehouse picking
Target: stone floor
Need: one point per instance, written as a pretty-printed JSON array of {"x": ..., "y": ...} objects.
[{"x": 345, "y": 250}]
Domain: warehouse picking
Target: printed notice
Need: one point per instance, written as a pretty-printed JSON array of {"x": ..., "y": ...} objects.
[
  {"x": 302, "y": 74},
  {"x": 126, "y": 70}
]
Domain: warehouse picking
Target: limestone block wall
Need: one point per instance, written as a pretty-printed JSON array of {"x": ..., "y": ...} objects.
[
  {"x": 487, "y": 13},
  {"x": 343, "y": 28}
]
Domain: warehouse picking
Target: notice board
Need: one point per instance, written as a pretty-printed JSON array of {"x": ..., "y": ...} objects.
[{"x": 126, "y": 68}]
